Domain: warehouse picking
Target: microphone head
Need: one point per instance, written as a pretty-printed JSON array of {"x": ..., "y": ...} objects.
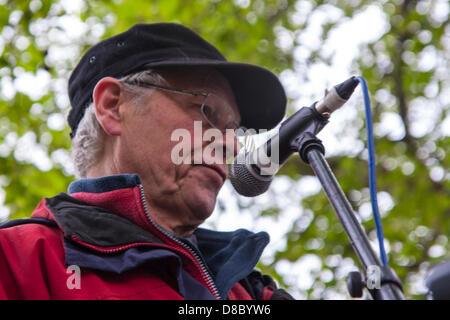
[{"x": 246, "y": 178}]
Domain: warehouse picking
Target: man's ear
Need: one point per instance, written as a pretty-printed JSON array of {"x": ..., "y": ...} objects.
[{"x": 107, "y": 100}]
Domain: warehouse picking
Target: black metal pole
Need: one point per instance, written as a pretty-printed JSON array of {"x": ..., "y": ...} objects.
[
  {"x": 311, "y": 151},
  {"x": 343, "y": 208},
  {"x": 358, "y": 238}
]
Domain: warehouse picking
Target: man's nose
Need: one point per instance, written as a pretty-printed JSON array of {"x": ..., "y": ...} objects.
[
  {"x": 229, "y": 145},
  {"x": 232, "y": 145}
]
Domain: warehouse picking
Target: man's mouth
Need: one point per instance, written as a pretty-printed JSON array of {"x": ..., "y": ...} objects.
[{"x": 218, "y": 169}]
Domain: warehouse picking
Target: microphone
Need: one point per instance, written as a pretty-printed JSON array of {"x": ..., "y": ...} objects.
[{"x": 252, "y": 172}]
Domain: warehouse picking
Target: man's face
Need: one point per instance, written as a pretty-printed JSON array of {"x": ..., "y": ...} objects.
[{"x": 180, "y": 196}]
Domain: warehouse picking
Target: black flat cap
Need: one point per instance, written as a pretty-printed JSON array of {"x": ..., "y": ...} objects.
[{"x": 259, "y": 94}]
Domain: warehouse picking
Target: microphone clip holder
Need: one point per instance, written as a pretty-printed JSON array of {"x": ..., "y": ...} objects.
[{"x": 305, "y": 142}]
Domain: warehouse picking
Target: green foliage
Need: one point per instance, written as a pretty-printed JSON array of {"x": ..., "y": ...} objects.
[{"x": 412, "y": 168}]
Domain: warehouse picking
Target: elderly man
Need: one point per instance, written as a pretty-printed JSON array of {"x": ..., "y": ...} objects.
[{"x": 128, "y": 228}]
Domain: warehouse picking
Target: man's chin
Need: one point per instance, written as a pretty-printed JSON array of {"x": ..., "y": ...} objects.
[
  {"x": 199, "y": 190},
  {"x": 201, "y": 202}
]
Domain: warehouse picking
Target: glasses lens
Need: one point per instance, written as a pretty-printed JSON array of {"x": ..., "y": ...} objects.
[{"x": 218, "y": 113}]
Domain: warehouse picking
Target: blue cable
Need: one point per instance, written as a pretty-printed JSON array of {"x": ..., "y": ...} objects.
[{"x": 372, "y": 174}]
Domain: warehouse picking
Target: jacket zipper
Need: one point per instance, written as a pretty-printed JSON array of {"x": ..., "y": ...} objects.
[{"x": 203, "y": 268}]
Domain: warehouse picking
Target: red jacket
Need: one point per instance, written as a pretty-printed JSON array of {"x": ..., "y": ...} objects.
[{"x": 99, "y": 242}]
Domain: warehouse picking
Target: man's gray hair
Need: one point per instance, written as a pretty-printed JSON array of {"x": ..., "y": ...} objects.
[{"x": 88, "y": 142}]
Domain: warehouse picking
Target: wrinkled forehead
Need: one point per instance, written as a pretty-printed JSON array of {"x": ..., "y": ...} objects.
[{"x": 200, "y": 79}]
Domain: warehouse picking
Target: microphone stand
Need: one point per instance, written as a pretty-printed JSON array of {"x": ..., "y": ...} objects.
[{"x": 386, "y": 285}]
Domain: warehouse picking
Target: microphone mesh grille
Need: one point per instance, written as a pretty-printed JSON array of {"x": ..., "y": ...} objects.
[{"x": 245, "y": 180}]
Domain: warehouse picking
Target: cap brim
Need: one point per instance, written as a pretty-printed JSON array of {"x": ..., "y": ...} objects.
[{"x": 260, "y": 97}]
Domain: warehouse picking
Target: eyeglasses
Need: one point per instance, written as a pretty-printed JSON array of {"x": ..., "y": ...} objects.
[{"x": 215, "y": 110}]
